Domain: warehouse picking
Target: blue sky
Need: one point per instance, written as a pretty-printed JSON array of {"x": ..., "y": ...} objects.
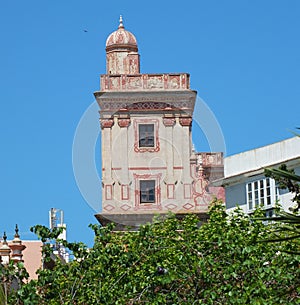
[{"x": 243, "y": 58}]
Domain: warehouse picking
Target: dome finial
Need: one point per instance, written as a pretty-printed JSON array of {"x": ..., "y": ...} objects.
[
  {"x": 17, "y": 232},
  {"x": 121, "y": 26},
  {"x": 4, "y": 238}
]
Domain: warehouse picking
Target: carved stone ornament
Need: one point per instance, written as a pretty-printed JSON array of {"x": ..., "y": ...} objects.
[
  {"x": 169, "y": 122},
  {"x": 185, "y": 121},
  {"x": 106, "y": 123},
  {"x": 123, "y": 122}
]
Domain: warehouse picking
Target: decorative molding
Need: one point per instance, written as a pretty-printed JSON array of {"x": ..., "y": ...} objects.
[
  {"x": 148, "y": 106},
  {"x": 106, "y": 123},
  {"x": 188, "y": 206},
  {"x": 147, "y": 168},
  {"x": 123, "y": 122},
  {"x": 169, "y": 122},
  {"x": 210, "y": 159},
  {"x": 125, "y": 207},
  {"x": 166, "y": 100},
  {"x": 134, "y": 81},
  {"x": 171, "y": 206},
  {"x": 156, "y": 147},
  {"x": 124, "y": 192},
  {"x": 177, "y": 167},
  {"x": 187, "y": 191},
  {"x": 145, "y": 106},
  {"x": 185, "y": 121},
  {"x": 108, "y": 192},
  {"x": 171, "y": 191},
  {"x": 147, "y": 206},
  {"x": 108, "y": 207}
]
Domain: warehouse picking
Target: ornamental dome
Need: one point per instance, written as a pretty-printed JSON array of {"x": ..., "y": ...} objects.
[{"x": 121, "y": 39}]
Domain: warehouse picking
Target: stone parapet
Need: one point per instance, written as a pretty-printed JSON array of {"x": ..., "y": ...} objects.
[
  {"x": 210, "y": 159},
  {"x": 126, "y": 82}
]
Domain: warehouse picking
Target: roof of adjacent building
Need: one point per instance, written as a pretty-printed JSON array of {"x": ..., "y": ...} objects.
[{"x": 253, "y": 162}]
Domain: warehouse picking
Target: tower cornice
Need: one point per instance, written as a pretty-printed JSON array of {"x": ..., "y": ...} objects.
[{"x": 166, "y": 101}]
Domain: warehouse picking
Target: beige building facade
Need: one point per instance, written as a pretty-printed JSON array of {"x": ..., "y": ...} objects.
[{"x": 148, "y": 162}]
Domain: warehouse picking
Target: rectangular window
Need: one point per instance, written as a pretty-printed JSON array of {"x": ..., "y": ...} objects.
[
  {"x": 147, "y": 191},
  {"x": 249, "y": 197},
  {"x": 268, "y": 191},
  {"x": 146, "y": 135},
  {"x": 261, "y": 193},
  {"x": 256, "y": 194}
]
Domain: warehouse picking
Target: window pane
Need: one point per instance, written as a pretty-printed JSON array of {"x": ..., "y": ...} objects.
[
  {"x": 146, "y": 135},
  {"x": 249, "y": 198},
  {"x": 262, "y": 197},
  {"x": 147, "y": 191},
  {"x": 256, "y": 198},
  {"x": 261, "y": 182},
  {"x": 250, "y": 205},
  {"x": 262, "y": 192}
]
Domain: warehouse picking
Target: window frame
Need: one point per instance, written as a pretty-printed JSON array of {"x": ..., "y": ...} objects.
[
  {"x": 146, "y": 135},
  {"x": 146, "y": 148},
  {"x": 261, "y": 193},
  {"x": 156, "y": 205},
  {"x": 147, "y": 190}
]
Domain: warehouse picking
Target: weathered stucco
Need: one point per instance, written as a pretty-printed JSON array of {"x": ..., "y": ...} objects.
[{"x": 128, "y": 99}]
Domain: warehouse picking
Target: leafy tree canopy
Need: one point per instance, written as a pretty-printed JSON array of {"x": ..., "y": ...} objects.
[{"x": 173, "y": 261}]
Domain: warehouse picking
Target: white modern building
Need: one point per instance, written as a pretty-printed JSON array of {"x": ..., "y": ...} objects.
[{"x": 244, "y": 180}]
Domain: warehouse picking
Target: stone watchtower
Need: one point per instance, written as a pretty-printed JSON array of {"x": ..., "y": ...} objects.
[{"x": 148, "y": 165}]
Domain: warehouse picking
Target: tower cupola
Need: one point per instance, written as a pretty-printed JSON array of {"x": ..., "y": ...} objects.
[
  {"x": 17, "y": 247},
  {"x": 4, "y": 251},
  {"x": 122, "y": 52}
]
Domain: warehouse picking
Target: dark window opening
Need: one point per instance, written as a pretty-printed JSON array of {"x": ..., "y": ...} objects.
[
  {"x": 147, "y": 191},
  {"x": 146, "y": 135}
]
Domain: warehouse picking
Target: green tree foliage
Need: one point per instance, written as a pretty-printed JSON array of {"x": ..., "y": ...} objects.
[
  {"x": 2, "y": 295},
  {"x": 173, "y": 261},
  {"x": 286, "y": 179},
  {"x": 12, "y": 278},
  {"x": 289, "y": 228}
]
